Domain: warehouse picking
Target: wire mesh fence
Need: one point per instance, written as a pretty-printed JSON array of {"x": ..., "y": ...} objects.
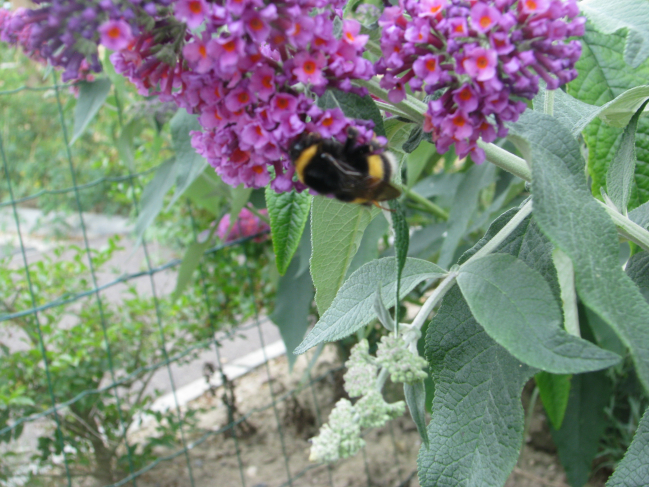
[{"x": 83, "y": 347}]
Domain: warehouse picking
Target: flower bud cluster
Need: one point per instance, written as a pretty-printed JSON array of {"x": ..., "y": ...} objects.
[
  {"x": 66, "y": 32},
  {"x": 250, "y": 73},
  {"x": 360, "y": 377},
  {"x": 401, "y": 363},
  {"x": 487, "y": 56},
  {"x": 340, "y": 438}
]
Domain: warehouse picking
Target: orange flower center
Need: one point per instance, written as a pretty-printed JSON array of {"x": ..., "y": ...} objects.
[
  {"x": 465, "y": 94},
  {"x": 243, "y": 97},
  {"x": 309, "y": 67},
  {"x": 350, "y": 36},
  {"x": 267, "y": 82},
  {"x": 229, "y": 46},
  {"x": 485, "y": 21},
  {"x": 202, "y": 50},
  {"x": 459, "y": 121},
  {"x": 531, "y": 4},
  {"x": 258, "y": 130},
  {"x": 327, "y": 121},
  {"x": 258, "y": 169},
  {"x": 114, "y": 32},
  {"x": 256, "y": 24},
  {"x": 195, "y": 7},
  {"x": 239, "y": 156},
  {"x": 431, "y": 64},
  {"x": 281, "y": 103},
  {"x": 482, "y": 62}
]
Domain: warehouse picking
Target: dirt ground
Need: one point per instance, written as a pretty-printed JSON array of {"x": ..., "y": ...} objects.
[{"x": 271, "y": 444}]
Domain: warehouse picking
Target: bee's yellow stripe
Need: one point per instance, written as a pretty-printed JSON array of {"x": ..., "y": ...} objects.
[
  {"x": 375, "y": 166},
  {"x": 304, "y": 158}
]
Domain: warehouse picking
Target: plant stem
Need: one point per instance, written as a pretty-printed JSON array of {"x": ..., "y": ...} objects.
[
  {"x": 504, "y": 232},
  {"x": 411, "y": 107},
  {"x": 439, "y": 292},
  {"x": 425, "y": 202},
  {"x": 506, "y": 160},
  {"x": 256, "y": 212}
]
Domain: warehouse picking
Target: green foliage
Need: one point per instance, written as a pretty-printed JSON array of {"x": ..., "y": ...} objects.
[
  {"x": 583, "y": 424},
  {"x": 289, "y": 213},
  {"x": 515, "y": 306}
]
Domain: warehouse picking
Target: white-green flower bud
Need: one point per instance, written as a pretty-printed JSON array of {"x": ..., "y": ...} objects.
[
  {"x": 374, "y": 412},
  {"x": 401, "y": 363},
  {"x": 361, "y": 370},
  {"x": 341, "y": 438}
]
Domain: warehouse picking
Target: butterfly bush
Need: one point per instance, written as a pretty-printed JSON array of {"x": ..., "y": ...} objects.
[
  {"x": 479, "y": 61},
  {"x": 250, "y": 74},
  {"x": 251, "y": 69}
]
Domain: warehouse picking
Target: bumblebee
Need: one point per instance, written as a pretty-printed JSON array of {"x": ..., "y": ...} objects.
[{"x": 350, "y": 172}]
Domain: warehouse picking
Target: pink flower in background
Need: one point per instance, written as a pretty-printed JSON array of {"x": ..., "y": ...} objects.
[
  {"x": 115, "y": 34},
  {"x": 247, "y": 224}
]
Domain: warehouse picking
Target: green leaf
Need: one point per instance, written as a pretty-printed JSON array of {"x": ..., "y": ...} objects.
[
  {"x": 397, "y": 133},
  {"x": 478, "y": 383},
  {"x": 642, "y": 163},
  {"x": 476, "y": 428},
  {"x": 288, "y": 214},
  {"x": 417, "y": 160},
  {"x": 336, "y": 232},
  {"x": 641, "y": 215},
  {"x": 583, "y": 425},
  {"x": 382, "y": 312},
  {"x": 464, "y": 205},
  {"x": 633, "y": 470},
  {"x": 191, "y": 259},
  {"x": 153, "y": 196},
  {"x": 207, "y": 191},
  {"x": 638, "y": 270},
  {"x": 566, "y": 275},
  {"x": 353, "y": 307},
  {"x": 354, "y": 106},
  {"x": 416, "y": 401},
  {"x": 620, "y": 177},
  {"x": 92, "y": 95},
  {"x": 603, "y": 76},
  {"x": 368, "y": 249},
  {"x": 416, "y": 136},
  {"x": 401, "y": 242},
  {"x": 578, "y": 225},
  {"x": 554, "y": 390},
  {"x": 292, "y": 303},
  {"x": 571, "y": 112},
  {"x": 190, "y": 164},
  {"x": 515, "y": 306},
  {"x": 633, "y": 15}
]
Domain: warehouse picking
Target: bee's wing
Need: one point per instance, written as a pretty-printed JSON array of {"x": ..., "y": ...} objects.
[{"x": 386, "y": 191}]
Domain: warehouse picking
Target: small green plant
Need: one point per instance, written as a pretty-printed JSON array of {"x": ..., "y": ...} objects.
[{"x": 101, "y": 357}]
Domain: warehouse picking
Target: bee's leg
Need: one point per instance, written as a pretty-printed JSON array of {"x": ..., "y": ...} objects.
[{"x": 376, "y": 203}]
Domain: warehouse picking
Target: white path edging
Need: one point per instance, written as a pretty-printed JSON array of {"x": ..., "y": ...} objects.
[{"x": 197, "y": 388}]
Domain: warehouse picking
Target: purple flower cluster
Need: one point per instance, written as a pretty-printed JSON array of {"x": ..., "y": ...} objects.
[
  {"x": 249, "y": 74},
  {"x": 487, "y": 56},
  {"x": 66, "y": 32}
]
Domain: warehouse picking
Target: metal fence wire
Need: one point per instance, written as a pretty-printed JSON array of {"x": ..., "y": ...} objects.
[{"x": 89, "y": 427}]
